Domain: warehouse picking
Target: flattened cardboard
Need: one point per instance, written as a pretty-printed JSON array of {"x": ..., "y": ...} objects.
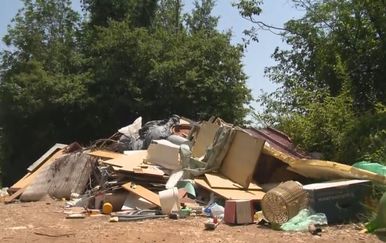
[
  {"x": 240, "y": 162},
  {"x": 221, "y": 182},
  {"x": 204, "y": 138},
  {"x": 232, "y": 193},
  {"x": 142, "y": 192}
]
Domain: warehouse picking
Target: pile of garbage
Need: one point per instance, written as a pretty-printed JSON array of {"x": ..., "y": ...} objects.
[{"x": 177, "y": 168}]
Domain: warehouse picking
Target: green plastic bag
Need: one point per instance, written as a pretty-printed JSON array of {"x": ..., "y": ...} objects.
[
  {"x": 371, "y": 166},
  {"x": 303, "y": 219},
  {"x": 379, "y": 222}
]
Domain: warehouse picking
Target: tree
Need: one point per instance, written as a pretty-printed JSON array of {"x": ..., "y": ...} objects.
[
  {"x": 332, "y": 77},
  {"x": 157, "y": 73},
  {"x": 139, "y": 12},
  {"x": 201, "y": 19},
  {"x": 43, "y": 91}
]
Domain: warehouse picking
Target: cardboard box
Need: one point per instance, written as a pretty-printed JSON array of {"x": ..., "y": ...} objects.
[{"x": 341, "y": 201}]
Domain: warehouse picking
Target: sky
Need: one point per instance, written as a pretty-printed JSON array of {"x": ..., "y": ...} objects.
[{"x": 257, "y": 55}]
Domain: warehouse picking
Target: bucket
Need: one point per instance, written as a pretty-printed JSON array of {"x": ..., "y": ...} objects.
[
  {"x": 283, "y": 202},
  {"x": 169, "y": 200}
]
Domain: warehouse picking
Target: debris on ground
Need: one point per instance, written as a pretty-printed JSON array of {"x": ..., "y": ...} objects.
[{"x": 175, "y": 169}]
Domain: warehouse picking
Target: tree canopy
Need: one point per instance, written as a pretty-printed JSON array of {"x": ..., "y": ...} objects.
[
  {"x": 66, "y": 78},
  {"x": 331, "y": 97}
]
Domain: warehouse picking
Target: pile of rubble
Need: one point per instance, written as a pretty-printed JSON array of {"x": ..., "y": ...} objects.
[{"x": 178, "y": 168}]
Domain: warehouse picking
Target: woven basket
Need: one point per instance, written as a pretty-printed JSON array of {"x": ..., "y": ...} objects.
[{"x": 284, "y": 202}]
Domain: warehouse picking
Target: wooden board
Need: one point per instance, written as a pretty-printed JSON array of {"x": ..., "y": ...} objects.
[
  {"x": 45, "y": 156},
  {"x": 322, "y": 169},
  {"x": 220, "y": 181},
  {"x": 14, "y": 196},
  {"x": 232, "y": 193},
  {"x": 129, "y": 162},
  {"x": 142, "y": 192},
  {"x": 133, "y": 162},
  {"x": 105, "y": 154},
  {"x": 204, "y": 138},
  {"x": 27, "y": 180},
  {"x": 240, "y": 162}
]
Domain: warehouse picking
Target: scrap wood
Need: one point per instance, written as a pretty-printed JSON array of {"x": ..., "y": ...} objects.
[
  {"x": 322, "y": 169},
  {"x": 53, "y": 234},
  {"x": 232, "y": 193},
  {"x": 128, "y": 162},
  {"x": 143, "y": 192},
  {"x": 128, "y": 218},
  {"x": 68, "y": 174},
  {"x": 204, "y": 138},
  {"x": 14, "y": 196},
  {"x": 27, "y": 180},
  {"x": 216, "y": 180},
  {"x": 241, "y": 159},
  {"x": 46, "y": 156},
  {"x": 104, "y": 154}
]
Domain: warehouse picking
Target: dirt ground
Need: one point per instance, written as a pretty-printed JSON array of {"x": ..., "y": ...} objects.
[{"x": 46, "y": 222}]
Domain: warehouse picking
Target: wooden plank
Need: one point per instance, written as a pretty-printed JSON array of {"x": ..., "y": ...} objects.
[
  {"x": 142, "y": 192},
  {"x": 128, "y": 161},
  {"x": 15, "y": 187},
  {"x": 26, "y": 181},
  {"x": 204, "y": 138},
  {"x": 220, "y": 181},
  {"x": 45, "y": 156},
  {"x": 232, "y": 193},
  {"x": 105, "y": 154},
  {"x": 322, "y": 169},
  {"x": 133, "y": 162},
  {"x": 14, "y": 196},
  {"x": 241, "y": 159}
]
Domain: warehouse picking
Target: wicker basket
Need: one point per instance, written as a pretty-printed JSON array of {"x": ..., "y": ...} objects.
[{"x": 284, "y": 202}]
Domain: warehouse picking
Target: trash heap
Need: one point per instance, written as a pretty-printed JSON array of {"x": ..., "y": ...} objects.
[{"x": 180, "y": 168}]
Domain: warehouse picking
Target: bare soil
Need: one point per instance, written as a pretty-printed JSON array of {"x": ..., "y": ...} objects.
[{"x": 45, "y": 221}]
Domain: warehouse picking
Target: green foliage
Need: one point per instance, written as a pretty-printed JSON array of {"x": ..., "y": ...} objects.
[
  {"x": 201, "y": 19},
  {"x": 43, "y": 91},
  {"x": 64, "y": 79},
  {"x": 332, "y": 80},
  {"x": 140, "y": 13},
  {"x": 159, "y": 73}
]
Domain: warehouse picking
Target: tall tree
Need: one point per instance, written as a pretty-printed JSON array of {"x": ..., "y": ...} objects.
[
  {"x": 201, "y": 18},
  {"x": 43, "y": 90},
  {"x": 139, "y": 12},
  {"x": 332, "y": 77},
  {"x": 169, "y": 15}
]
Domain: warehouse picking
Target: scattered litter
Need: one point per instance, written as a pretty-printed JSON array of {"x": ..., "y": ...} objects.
[
  {"x": 76, "y": 216},
  {"x": 177, "y": 168},
  {"x": 303, "y": 220},
  {"x": 211, "y": 224},
  {"x": 379, "y": 222}
]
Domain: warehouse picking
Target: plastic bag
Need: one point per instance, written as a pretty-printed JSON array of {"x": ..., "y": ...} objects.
[
  {"x": 379, "y": 222},
  {"x": 371, "y": 166},
  {"x": 303, "y": 219},
  {"x": 215, "y": 210}
]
